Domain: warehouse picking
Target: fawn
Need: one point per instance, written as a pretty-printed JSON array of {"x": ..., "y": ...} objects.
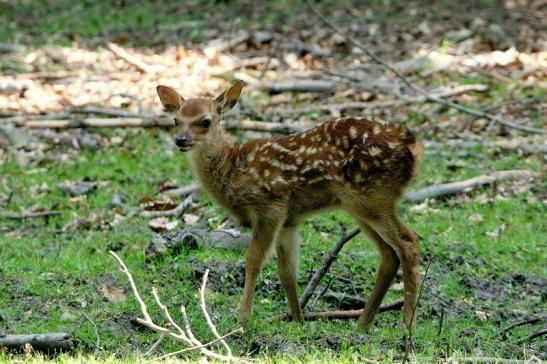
[{"x": 360, "y": 165}]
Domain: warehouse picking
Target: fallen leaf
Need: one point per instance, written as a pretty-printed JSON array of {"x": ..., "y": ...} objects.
[{"x": 112, "y": 294}]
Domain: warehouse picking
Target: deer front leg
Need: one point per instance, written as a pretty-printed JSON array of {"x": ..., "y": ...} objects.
[{"x": 261, "y": 242}]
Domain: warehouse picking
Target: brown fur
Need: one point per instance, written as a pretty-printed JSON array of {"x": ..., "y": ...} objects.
[{"x": 358, "y": 164}]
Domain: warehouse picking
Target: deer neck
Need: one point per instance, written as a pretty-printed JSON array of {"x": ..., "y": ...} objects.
[{"x": 211, "y": 161}]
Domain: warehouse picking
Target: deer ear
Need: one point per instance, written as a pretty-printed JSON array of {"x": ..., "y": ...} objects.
[
  {"x": 170, "y": 99},
  {"x": 226, "y": 100}
]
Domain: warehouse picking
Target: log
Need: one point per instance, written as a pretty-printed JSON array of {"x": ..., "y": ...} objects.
[
  {"x": 46, "y": 343},
  {"x": 99, "y": 123},
  {"x": 451, "y": 188}
]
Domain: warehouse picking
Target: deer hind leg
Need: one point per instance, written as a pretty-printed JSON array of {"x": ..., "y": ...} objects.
[
  {"x": 389, "y": 264},
  {"x": 264, "y": 234},
  {"x": 287, "y": 267},
  {"x": 406, "y": 245}
]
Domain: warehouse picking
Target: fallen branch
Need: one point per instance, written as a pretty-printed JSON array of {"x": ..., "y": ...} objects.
[
  {"x": 533, "y": 337},
  {"x": 130, "y": 58},
  {"x": 183, "y": 191},
  {"x": 531, "y": 321},
  {"x": 46, "y": 343},
  {"x": 444, "y": 189},
  {"x": 27, "y": 215},
  {"x": 328, "y": 259},
  {"x": 418, "y": 89},
  {"x": 339, "y": 315},
  {"x": 175, "y": 331}
]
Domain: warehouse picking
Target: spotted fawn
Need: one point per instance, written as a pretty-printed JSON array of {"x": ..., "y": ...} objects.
[{"x": 360, "y": 165}]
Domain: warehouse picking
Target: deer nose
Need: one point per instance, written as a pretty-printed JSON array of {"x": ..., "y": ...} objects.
[{"x": 182, "y": 140}]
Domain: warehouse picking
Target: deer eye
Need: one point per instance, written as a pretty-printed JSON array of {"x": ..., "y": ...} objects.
[{"x": 206, "y": 123}]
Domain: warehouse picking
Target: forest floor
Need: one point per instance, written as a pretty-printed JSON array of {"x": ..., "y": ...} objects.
[{"x": 486, "y": 248}]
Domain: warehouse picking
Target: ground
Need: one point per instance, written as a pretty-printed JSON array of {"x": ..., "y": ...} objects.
[{"x": 486, "y": 249}]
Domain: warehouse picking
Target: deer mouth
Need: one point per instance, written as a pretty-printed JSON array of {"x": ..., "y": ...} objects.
[{"x": 186, "y": 148}]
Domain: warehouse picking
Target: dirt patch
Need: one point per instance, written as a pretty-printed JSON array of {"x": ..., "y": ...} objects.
[{"x": 225, "y": 276}]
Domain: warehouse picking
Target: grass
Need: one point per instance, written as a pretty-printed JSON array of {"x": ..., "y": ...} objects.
[{"x": 51, "y": 278}]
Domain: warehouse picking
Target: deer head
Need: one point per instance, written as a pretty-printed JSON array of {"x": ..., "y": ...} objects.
[{"x": 198, "y": 119}]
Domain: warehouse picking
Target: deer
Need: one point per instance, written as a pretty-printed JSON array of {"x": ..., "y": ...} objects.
[{"x": 359, "y": 165}]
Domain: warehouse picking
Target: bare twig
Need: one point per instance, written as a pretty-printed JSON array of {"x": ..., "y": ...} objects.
[
  {"x": 417, "y": 88},
  {"x": 207, "y": 316},
  {"x": 184, "y": 335}
]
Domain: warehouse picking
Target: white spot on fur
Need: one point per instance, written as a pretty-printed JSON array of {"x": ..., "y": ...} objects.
[
  {"x": 266, "y": 172},
  {"x": 353, "y": 132},
  {"x": 278, "y": 180},
  {"x": 376, "y": 129},
  {"x": 374, "y": 151},
  {"x": 311, "y": 150},
  {"x": 299, "y": 161},
  {"x": 315, "y": 180},
  {"x": 365, "y": 137},
  {"x": 253, "y": 173},
  {"x": 392, "y": 145},
  {"x": 345, "y": 142}
]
